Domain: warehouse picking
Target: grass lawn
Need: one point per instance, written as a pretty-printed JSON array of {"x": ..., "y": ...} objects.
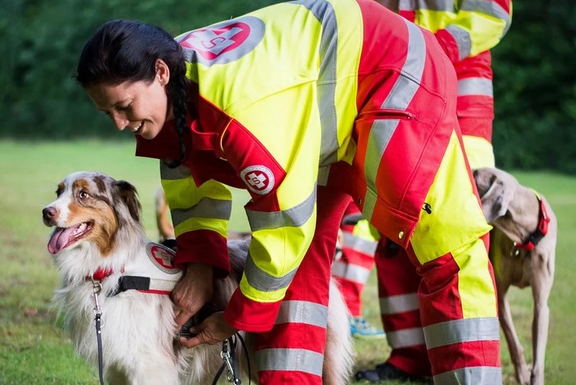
[{"x": 34, "y": 349}]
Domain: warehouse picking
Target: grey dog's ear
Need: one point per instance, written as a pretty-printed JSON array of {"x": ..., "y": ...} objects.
[
  {"x": 495, "y": 196},
  {"x": 129, "y": 195}
]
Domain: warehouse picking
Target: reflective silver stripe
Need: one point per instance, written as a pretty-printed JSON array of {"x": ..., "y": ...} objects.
[
  {"x": 475, "y": 86},
  {"x": 326, "y": 83},
  {"x": 405, "y": 338},
  {"x": 463, "y": 41},
  {"x": 300, "y": 360},
  {"x": 463, "y": 330},
  {"x": 206, "y": 208},
  {"x": 399, "y": 98},
  {"x": 380, "y": 135},
  {"x": 491, "y": 8},
  {"x": 359, "y": 244},
  {"x": 180, "y": 172},
  {"x": 399, "y": 303},
  {"x": 350, "y": 272},
  {"x": 302, "y": 312},
  {"x": 294, "y": 217},
  {"x": 261, "y": 280},
  {"x": 437, "y": 5},
  {"x": 477, "y": 375}
]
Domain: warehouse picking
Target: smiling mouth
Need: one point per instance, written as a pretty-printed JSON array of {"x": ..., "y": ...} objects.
[
  {"x": 136, "y": 129},
  {"x": 63, "y": 237}
]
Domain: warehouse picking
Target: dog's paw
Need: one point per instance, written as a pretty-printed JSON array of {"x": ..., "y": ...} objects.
[{"x": 523, "y": 374}]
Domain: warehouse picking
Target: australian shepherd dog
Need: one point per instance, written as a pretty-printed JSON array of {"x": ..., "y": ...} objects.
[{"x": 115, "y": 291}]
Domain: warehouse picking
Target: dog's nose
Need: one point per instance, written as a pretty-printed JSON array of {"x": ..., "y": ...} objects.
[{"x": 48, "y": 215}]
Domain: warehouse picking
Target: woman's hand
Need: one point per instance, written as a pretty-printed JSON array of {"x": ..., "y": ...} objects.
[
  {"x": 192, "y": 292},
  {"x": 214, "y": 329}
]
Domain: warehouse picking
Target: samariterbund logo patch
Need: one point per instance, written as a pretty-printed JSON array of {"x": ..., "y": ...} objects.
[
  {"x": 224, "y": 42},
  {"x": 162, "y": 257},
  {"x": 259, "y": 179}
]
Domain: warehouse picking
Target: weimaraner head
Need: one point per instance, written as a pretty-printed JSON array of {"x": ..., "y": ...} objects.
[
  {"x": 507, "y": 204},
  {"x": 496, "y": 189}
]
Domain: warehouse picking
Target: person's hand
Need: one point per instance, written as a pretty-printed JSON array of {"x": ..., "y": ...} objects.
[
  {"x": 192, "y": 292},
  {"x": 214, "y": 329}
]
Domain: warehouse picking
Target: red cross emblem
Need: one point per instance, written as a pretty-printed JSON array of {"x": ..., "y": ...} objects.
[
  {"x": 224, "y": 42},
  {"x": 259, "y": 179},
  {"x": 163, "y": 257}
]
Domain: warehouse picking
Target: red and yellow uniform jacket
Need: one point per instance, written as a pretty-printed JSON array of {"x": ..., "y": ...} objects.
[
  {"x": 464, "y": 28},
  {"x": 279, "y": 92}
]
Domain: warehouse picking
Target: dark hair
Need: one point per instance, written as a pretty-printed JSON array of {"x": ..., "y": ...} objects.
[{"x": 125, "y": 50}]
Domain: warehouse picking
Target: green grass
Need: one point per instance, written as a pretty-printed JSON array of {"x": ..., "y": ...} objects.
[{"x": 34, "y": 350}]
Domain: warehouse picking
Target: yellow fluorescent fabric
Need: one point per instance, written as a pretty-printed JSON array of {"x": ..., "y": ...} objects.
[
  {"x": 218, "y": 225},
  {"x": 291, "y": 134},
  {"x": 474, "y": 278},
  {"x": 485, "y": 30},
  {"x": 184, "y": 194},
  {"x": 269, "y": 243},
  {"x": 451, "y": 199},
  {"x": 364, "y": 230},
  {"x": 479, "y": 151}
]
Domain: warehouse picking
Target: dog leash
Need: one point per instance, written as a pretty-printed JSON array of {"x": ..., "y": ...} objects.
[
  {"x": 97, "y": 288},
  {"x": 230, "y": 362}
]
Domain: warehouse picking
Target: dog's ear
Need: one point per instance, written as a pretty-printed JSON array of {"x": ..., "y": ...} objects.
[
  {"x": 493, "y": 193},
  {"x": 129, "y": 196}
]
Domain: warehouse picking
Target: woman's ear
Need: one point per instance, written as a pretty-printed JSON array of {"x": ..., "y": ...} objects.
[{"x": 162, "y": 72}]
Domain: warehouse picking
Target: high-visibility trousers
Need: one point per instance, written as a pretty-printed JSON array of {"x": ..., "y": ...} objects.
[
  {"x": 352, "y": 269},
  {"x": 444, "y": 305},
  {"x": 292, "y": 352},
  {"x": 398, "y": 285}
]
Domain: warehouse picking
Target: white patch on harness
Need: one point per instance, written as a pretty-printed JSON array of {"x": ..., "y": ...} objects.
[{"x": 162, "y": 257}]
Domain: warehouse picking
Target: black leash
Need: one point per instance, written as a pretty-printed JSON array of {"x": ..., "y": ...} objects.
[
  {"x": 97, "y": 287},
  {"x": 230, "y": 361}
]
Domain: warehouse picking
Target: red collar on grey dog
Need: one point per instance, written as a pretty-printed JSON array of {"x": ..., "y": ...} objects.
[
  {"x": 156, "y": 274},
  {"x": 540, "y": 231}
]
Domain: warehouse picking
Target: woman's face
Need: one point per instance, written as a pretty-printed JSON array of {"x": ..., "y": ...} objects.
[{"x": 140, "y": 107}]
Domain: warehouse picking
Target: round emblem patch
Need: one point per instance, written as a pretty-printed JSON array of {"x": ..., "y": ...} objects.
[
  {"x": 162, "y": 257},
  {"x": 259, "y": 179},
  {"x": 224, "y": 42}
]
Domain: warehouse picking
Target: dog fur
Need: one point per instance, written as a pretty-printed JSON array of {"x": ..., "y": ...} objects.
[
  {"x": 98, "y": 228},
  {"x": 514, "y": 210}
]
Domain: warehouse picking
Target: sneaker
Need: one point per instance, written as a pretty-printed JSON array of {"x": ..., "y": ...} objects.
[
  {"x": 388, "y": 372},
  {"x": 360, "y": 328}
]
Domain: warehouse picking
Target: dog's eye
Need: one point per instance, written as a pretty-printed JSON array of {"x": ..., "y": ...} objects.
[{"x": 83, "y": 195}]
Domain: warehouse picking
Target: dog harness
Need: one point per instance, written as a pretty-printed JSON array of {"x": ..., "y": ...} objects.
[
  {"x": 540, "y": 231},
  {"x": 155, "y": 275}
]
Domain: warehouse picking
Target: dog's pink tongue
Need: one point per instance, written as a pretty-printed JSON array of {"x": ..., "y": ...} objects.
[{"x": 59, "y": 239}]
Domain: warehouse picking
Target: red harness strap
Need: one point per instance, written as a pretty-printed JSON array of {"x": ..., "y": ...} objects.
[
  {"x": 100, "y": 274},
  {"x": 540, "y": 231}
]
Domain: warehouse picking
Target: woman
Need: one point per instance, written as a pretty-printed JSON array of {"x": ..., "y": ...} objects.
[{"x": 302, "y": 104}]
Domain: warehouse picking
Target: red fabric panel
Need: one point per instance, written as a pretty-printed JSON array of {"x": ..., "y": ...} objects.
[{"x": 206, "y": 247}]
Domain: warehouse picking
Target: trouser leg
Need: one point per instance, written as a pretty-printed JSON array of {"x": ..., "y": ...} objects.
[
  {"x": 398, "y": 285},
  {"x": 293, "y": 351}
]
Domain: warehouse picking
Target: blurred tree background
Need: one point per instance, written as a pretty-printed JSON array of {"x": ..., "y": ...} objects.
[{"x": 40, "y": 41}]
